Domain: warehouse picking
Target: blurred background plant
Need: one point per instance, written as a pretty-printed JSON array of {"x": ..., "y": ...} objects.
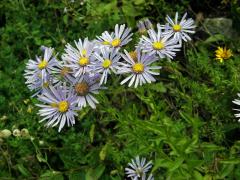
[{"x": 184, "y": 123}]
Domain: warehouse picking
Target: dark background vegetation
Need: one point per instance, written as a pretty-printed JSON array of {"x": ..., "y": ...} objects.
[{"x": 184, "y": 122}]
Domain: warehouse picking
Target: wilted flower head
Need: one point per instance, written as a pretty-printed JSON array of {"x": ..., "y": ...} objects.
[
  {"x": 144, "y": 25},
  {"x": 223, "y": 54},
  {"x": 138, "y": 169},
  {"x": 59, "y": 107}
]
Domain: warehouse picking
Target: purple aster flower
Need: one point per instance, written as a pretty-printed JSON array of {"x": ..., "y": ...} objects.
[
  {"x": 41, "y": 67},
  {"x": 140, "y": 70},
  {"x": 85, "y": 87},
  {"x": 159, "y": 43},
  {"x": 79, "y": 58},
  {"x": 106, "y": 62},
  {"x": 59, "y": 107}
]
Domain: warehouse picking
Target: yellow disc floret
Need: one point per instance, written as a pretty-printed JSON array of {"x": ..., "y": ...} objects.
[
  {"x": 106, "y": 43},
  {"x": 84, "y": 52},
  {"x": 138, "y": 68},
  {"x": 64, "y": 71},
  {"x": 83, "y": 61},
  {"x": 158, "y": 45},
  {"x": 177, "y": 27},
  {"x": 116, "y": 42},
  {"x": 45, "y": 84},
  {"x": 63, "y": 106},
  {"x": 81, "y": 88},
  {"x": 43, "y": 64},
  {"x": 133, "y": 55},
  {"x": 54, "y": 105},
  {"x": 106, "y": 63}
]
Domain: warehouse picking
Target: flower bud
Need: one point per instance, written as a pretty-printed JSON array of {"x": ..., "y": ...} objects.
[
  {"x": 24, "y": 132},
  {"x": 16, "y": 132},
  {"x": 41, "y": 142},
  {"x": 5, "y": 133}
]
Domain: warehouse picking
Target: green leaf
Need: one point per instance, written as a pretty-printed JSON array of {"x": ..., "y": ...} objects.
[
  {"x": 91, "y": 133},
  {"x": 95, "y": 174},
  {"x": 230, "y": 161},
  {"x": 176, "y": 164},
  {"x": 197, "y": 175},
  {"x": 214, "y": 38},
  {"x": 103, "y": 152},
  {"x": 51, "y": 175},
  {"x": 211, "y": 147},
  {"x": 23, "y": 170},
  {"x": 226, "y": 170}
]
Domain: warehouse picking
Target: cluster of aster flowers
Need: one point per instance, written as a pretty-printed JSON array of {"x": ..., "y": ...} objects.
[{"x": 67, "y": 84}]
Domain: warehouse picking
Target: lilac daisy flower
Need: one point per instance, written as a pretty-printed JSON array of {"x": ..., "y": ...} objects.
[
  {"x": 41, "y": 66},
  {"x": 120, "y": 37},
  {"x": 180, "y": 30},
  {"x": 106, "y": 62},
  {"x": 85, "y": 87},
  {"x": 59, "y": 107},
  {"x": 138, "y": 169},
  {"x": 140, "y": 70},
  {"x": 105, "y": 38},
  {"x": 79, "y": 58},
  {"x": 36, "y": 83},
  {"x": 159, "y": 43}
]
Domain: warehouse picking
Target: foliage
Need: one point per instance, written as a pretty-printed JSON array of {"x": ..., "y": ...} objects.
[{"x": 184, "y": 122}]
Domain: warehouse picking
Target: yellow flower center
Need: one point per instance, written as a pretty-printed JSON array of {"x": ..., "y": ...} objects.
[
  {"x": 133, "y": 55},
  {"x": 177, "y": 27},
  {"x": 64, "y": 71},
  {"x": 142, "y": 31},
  {"x": 43, "y": 64},
  {"x": 116, "y": 42},
  {"x": 106, "y": 43},
  {"x": 106, "y": 63},
  {"x": 45, "y": 84},
  {"x": 84, "y": 52},
  {"x": 138, "y": 68},
  {"x": 81, "y": 88},
  {"x": 158, "y": 45},
  {"x": 83, "y": 61},
  {"x": 54, "y": 105},
  {"x": 63, "y": 106}
]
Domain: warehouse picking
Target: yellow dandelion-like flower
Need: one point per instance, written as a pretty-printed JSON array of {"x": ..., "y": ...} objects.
[{"x": 223, "y": 54}]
